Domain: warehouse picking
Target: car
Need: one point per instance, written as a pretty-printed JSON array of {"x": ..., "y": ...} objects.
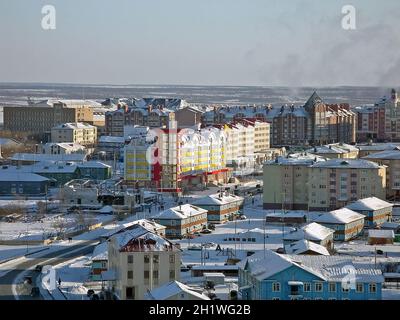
[
  {"x": 38, "y": 268},
  {"x": 205, "y": 231},
  {"x": 242, "y": 217},
  {"x": 379, "y": 251},
  {"x": 197, "y": 234}
]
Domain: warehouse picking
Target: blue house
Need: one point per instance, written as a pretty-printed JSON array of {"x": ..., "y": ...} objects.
[{"x": 271, "y": 276}]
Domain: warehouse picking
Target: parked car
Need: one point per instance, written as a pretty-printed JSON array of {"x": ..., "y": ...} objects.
[
  {"x": 242, "y": 217},
  {"x": 205, "y": 231}
]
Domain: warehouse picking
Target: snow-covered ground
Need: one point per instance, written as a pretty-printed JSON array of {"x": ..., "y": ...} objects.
[{"x": 10, "y": 252}]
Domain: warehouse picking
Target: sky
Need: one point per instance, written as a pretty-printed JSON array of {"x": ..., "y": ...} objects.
[{"x": 203, "y": 42}]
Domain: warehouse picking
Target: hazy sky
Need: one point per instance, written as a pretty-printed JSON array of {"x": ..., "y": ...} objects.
[{"x": 215, "y": 42}]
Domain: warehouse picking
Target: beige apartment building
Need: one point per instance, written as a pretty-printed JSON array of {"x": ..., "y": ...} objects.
[
  {"x": 78, "y": 132},
  {"x": 38, "y": 118},
  {"x": 308, "y": 182},
  {"x": 286, "y": 180},
  {"x": 335, "y": 183},
  {"x": 390, "y": 159},
  {"x": 140, "y": 261}
]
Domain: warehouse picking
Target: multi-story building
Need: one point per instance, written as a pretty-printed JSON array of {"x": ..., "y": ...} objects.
[
  {"x": 286, "y": 181},
  {"x": 172, "y": 159},
  {"x": 141, "y": 261},
  {"x": 335, "y": 150},
  {"x": 220, "y": 206},
  {"x": 390, "y": 159},
  {"x": 346, "y": 223},
  {"x": 61, "y": 148},
  {"x": 78, "y": 132},
  {"x": 370, "y": 122},
  {"x": 334, "y": 183},
  {"x": 314, "y": 123},
  {"x": 308, "y": 183},
  {"x": 39, "y": 118},
  {"x": 271, "y": 276},
  {"x": 182, "y": 220},
  {"x": 149, "y": 112}
]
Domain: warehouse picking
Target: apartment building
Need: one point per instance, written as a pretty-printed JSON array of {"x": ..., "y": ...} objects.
[
  {"x": 334, "y": 183},
  {"x": 149, "y": 112},
  {"x": 314, "y": 123},
  {"x": 286, "y": 181},
  {"x": 272, "y": 276},
  {"x": 390, "y": 159},
  {"x": 39, "y": 118},
  {"x": 141, "y": 261},
  {"x": 309, "y": 182},
  {"x": 176, "y": 159},
  {"x": 75, "y": 132},
  {"x": 220, "y": 207},
  {"x": 182, "y": 220},
  {"x": 61, "y": 148},
  {"x": 335, "y": 151}
]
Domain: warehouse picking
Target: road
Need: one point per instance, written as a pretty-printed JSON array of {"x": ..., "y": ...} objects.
[{"x": 23, "y": 265}]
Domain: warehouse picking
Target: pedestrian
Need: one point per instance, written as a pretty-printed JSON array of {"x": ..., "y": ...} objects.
[{"x": 59, "y": 282}]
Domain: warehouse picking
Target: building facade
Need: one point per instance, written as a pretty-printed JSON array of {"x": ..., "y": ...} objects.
[
  {"x": 78, "y": 132},
  {"x": 141, "y": 261}
]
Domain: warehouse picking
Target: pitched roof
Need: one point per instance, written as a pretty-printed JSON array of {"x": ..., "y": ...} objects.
[
  {"x": 374, "y": 233},
  {"x": 371, "y": 203},
  {"x": 180, "y": 212},
  {"x": 329, "y": 268},
  {"x": 303, "y": 246},
  {"x": 347, "y": 163},
  {"x": 311, "y": 231},
  {"x": 171, "y": 289}
]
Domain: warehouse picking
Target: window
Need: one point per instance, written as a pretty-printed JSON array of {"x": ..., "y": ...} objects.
[
  {"x": 372, "y": 287},
  {"x": 130, "y": 259},
  {"x": 146, "y": 259},
  {"x": 146, "y": 274},
  {"x": 276, "y": 287},
  {"x": 307, "y": 287},
  {"x": 130, "y": 293},
  {"x": 359, "y": 287},
  {"x": 130, "y": 274},
  {"x": 318, "y": 286},
  {"x": 155, "y": 258},
  {"x": 332, "y": 287},
  {"x": 171, "y": 274},
  {"x": 155, "y": 274}
]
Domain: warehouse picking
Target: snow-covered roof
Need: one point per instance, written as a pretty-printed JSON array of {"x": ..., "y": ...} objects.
[
  {"x": 138, "y": 238},
  {"x": 180, "y": 212},
  {"x": 302, "y": 246},
  {"x": 390, "y": 225},
  {"x": 371, "y": 203},
  {"x": 37, "y": 157},
  {"x": 385, "y": 155},
  {"x": 340, "y": 216},
  {"x": 100, "y": 252},
  {"x": 111, "y": 139},
  {"x": 338, "y": 148},
  {"x": 171, "y": 289},
  {"x": 264, "y": 265},
  {"x": 347, "y": 164},
  {"x": 74, "y": 125},
  {"x": 311, "y": 231},
  {"x": 218, "y": 198},
  {"x": 375, "y": 233},
  {"x": 13, "y": 176},
  {"x": 93, "y": 164},
  {"x": 147, "y": 224},
  {"x": 378, "y": 146}
]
